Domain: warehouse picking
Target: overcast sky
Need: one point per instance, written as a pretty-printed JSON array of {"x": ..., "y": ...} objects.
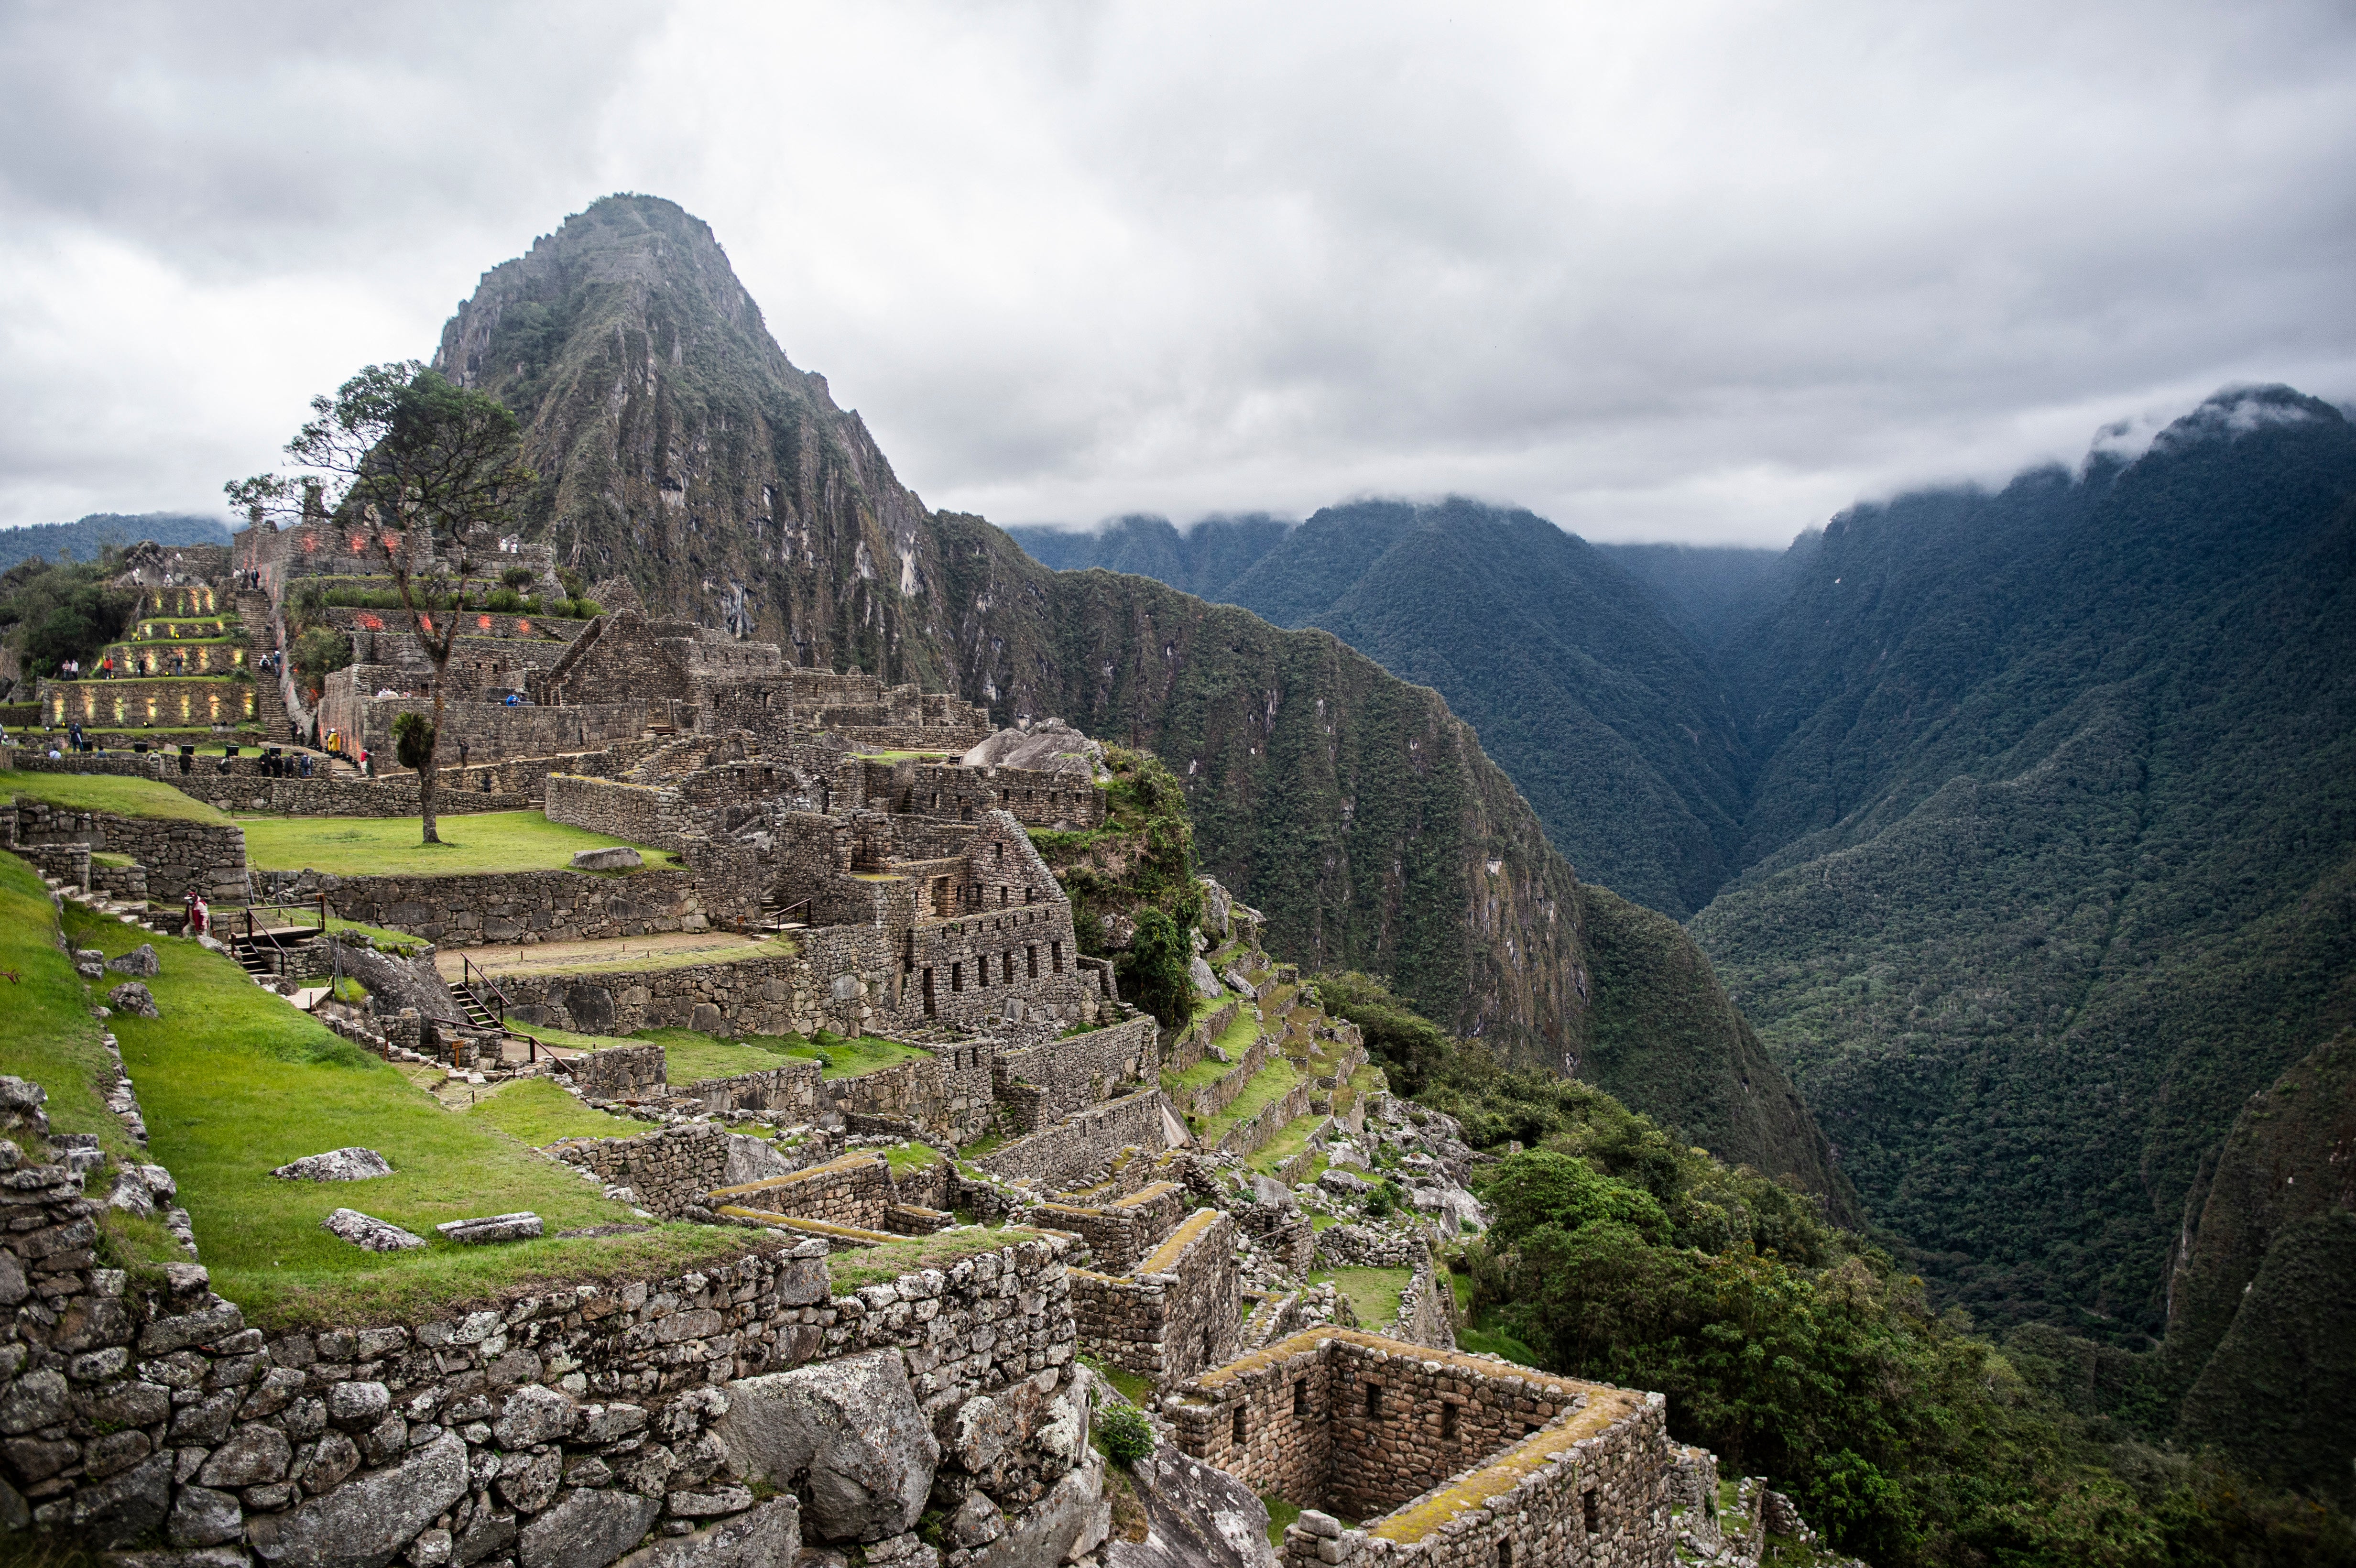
[{"x": 1662, "y": 271}]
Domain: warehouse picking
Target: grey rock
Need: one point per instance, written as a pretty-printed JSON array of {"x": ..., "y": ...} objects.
[
  {"x": 336, "y": 1165},
  {"x": 1269, "y": 1190},
  {"x": 854, "y": 1425},
  {"x": 368, "y": 1231},
  {"x": 529, "y": 1481},
  {"x": 1205, "y": 982},
  {"x": 133, "y": 997},
  {"x": 38, "y": 1398},
  {"x": 534, "y": 1414},
  {"x": 1237, "y": 983},
  {"x": 202, "y": 1517},
  {"x": 1061, "y": 1527},
  {"x": 489, "y": 1533},
  {"x": 252, "y": 1454},
  {"x": 365, "y": 1523},
  {"x": 767, "y": 1537},
  {"x": 431, "y": 1549},
  {"x": 354, "y": 1406},
  {"x": 1196, "y": 1516},
  {"x": 201, "y": 1557},
  {"x": 141, "y": 962},
  {"x": 1341, "y": 1184},
  {"x": 615, "y": 860},
  {"x": 588, "y": 1529},
  {"x": 518, "y": 1227},
  {"x": 977, "y": 1522},
  {"x": 1049, "y": 745},
  {"x": 120, "y": 1509}
]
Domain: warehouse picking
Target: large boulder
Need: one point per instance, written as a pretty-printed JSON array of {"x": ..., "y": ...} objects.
[
  {"x": 588, "y": 1529},
  {"x": 620, "y": 857},
  {"x": 336, "y": 1165},
  {"x": 752, "y": 1159},
  {"x": 518, "y": 1227},
  {"x": 853, "y": 1426},
  {"x": 140, "y": 962},
  {"x": 365, "y": 1523},
  {"x": 1196, "y": 1516},
  {"x": 1049, "y": 745}
]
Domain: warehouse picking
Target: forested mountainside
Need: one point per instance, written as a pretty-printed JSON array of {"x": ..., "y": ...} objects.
[
  {"x": 82, "y": 539},
  {"x": 2056, "y": 832},
  {"x": 676, "y": 446},
  {"x": 1202, "y": 559},
  {"x": 1708, "y": 591},
  {"x": 1609, "y": 718}
]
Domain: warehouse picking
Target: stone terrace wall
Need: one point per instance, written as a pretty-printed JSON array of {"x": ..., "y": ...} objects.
[
  {"x": 1247, "y": 1139},
  {"x": 667, "y": 1171},
  {"x": 853, "y": 1191},
  {"x": 179, "y": 701},
  {"x": 643, "y": 814},
  {"x": 618, "y": 1073},
  {"x": 320, "y": 796},
  {"x": 1084, "y": 1143},
  {"x": 1123, "y": 1232},
  {"x": 790, "y": 1090},
  {"x": 1194, "y": 1042},
  {"x": 493, "y": 730},
  {"x": 945, "y": 1096},
  {"x": 820, "y": 985},
  {"x": 1216, "y": 1096},
  {"x": 1180, "y": 1312},
  {"x": 1365, "y": 1424},
  {"x": 553, "y": 905},
  {"x": 1076, "y": 1071},
  {"x": 179, "y": 856}
]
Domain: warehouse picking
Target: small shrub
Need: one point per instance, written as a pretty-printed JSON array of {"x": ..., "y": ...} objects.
[
  {"x": 1127, "y": 1435},
  {"x": 518, "y": 577}
]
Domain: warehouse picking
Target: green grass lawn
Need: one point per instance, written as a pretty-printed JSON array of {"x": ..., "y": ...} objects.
[
  {"x": 1372, "y": 1293},
  {"x": 906, "y": 1157},
  {"x": 98, "y": 792},
  {"x": 1269, "y": 1086},
  {"x": 387, "y": 846},
  {"x": 234, "y": 1082},
  {"x": 538, "y": 1112},
  {"x": 689, "y": 1055}
]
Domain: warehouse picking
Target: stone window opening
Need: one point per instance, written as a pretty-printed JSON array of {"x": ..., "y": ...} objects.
[
  {"x": 980, "y": 971},
  {"x": 1029, "y": 895},
  {"x": 1001, "y": 890},
  {"x": 1056, "y": 955},
  {"x": 1375, "y": 1400},
  {"x": 957, "y": 978},
  {"x": 1504, "y": 1554},
  {"x": 1001, "y": 848},
  {"x": 1590, "y": 1511},
  {"x": 1032, "y": 953},
  {"x": 1300, "y": 1396},
  {"x": 929, "y": 992},
  {"x": 1448, "y": 1423}
]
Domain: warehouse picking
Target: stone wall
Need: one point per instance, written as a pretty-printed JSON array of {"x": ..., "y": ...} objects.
[
  {"x": 618, "y": 1073},
  {"x": 1246, "y": 1137},
  {"x": 1194, "y": 1042},
  {"x": 789, "y": 1091},
  {"x": 643, "y": 814},
  {"x": 1064, "y": 801},
  {"x": 831, "y": 979},
  {"x": 667, "y": 1172},
  {"x": 946, "y": 1096},
  {"x": 1443, "y": 1454},
  {"x": 1181, "y": 1311},
  {"x": 855, "y": 1190},
  {"x": 1075, "y": 1071},
  {"x": 1123, "y": 1232},
  {"x": 493, "y": 730},
  {"x": 1224, "y": 1090},
  {"x": 179, "y": 856},
  {"x": 172, "y": 700},
  {"x": 551, "y": 905},
  {"x": 1425, "y": 1316},
  {"x": 1085, "y": 1142}
]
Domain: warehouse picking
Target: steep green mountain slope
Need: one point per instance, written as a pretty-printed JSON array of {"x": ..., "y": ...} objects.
[
  {"x": 2056, "y": 832},
  {"x": 2260, "y": 1320},
  {"x": 1201, "y": 559},
  {"x": 677, "y": 445},
  {"x": 1605, "y": 715},
  {"x": 1708, "y": 591}
]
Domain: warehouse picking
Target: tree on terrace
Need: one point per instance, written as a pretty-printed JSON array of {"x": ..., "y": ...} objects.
[{"x": 414, "y": 466}]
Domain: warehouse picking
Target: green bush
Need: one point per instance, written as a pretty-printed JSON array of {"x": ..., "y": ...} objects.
[
  {"x": 1127, "y": 1435},
  {"x": 413, "y": 740},
  {"x": 518, "y": 577}
]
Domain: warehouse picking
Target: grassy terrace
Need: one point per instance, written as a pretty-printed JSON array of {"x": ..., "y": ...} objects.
[
  {"x": 234, "y": 1082},
  {"x": 944, "y": 1249},
  {"x": 689, "y": 1055},
  {"x": 387, "y": 846},
  {"x": 1269, "y": 1086},
  {"x": 1286, "y": 1143},
  {"x": 97, "y": 792},
  {"x": 1372, "y": 1293}
]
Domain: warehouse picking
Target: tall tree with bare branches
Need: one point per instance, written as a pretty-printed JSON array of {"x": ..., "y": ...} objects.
[{"x": 419, "y": 465}]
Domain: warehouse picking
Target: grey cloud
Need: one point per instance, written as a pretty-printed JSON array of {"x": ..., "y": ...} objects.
[{"x": 1706, "y": 271}]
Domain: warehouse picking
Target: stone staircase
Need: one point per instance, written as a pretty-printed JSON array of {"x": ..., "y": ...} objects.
[{"x": 253, "y": 618}]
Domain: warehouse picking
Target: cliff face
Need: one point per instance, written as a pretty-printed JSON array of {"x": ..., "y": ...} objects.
[
  {"x": 679, "y": 447},
  {"x": 2260, "y": 1322}
]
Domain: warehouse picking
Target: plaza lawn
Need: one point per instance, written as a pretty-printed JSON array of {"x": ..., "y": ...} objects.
[
  {"x": 536, "y": 1112},
  {"x": 389, "y": 846},
  {"x": 102, "y": 792},
  {"x": 1372, "y": 1293},
  {"x": 233, "y": 1082}
]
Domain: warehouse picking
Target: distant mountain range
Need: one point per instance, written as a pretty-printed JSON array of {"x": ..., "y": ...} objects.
[{"x": 82, "y": 539}]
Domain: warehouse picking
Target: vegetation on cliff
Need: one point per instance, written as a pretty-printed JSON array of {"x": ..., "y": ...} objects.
[{"x": 52, "y": 613}]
